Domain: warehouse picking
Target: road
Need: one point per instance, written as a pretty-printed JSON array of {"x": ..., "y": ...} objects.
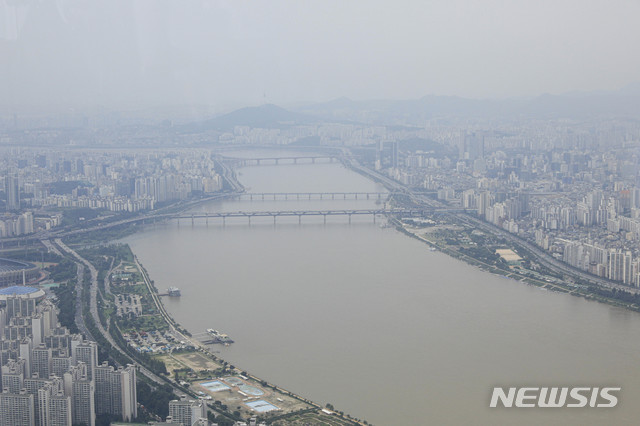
[{"x": 82, "y": 263}]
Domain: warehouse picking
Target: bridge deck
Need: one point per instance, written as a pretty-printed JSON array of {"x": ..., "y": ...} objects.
[{"x": 311, "y": 195}]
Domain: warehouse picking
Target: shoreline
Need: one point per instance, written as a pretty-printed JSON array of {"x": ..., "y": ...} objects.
[
  {"x": 186, "y": 334},
  {"x": 574, "y": 290}
]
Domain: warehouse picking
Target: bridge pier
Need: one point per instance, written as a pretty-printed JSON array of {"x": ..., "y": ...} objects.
[
  {"x": 349, "y": 218},
  {"x": 325, "y": 218},
  {"x": 224, "y": 220},
  {"x": 333, "y": 196},
  {"x": 299, "y": 219},
  {"x": 313, "y": 160},
  {"x": 192, "y": 221},
  {"x": 374, "y": 218}
]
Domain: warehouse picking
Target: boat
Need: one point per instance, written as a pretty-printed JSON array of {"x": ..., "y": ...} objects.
[{"x": 217, "y": 337}]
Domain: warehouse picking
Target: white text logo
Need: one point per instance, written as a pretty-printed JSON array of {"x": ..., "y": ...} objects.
[{"x": 544, "y": 397}]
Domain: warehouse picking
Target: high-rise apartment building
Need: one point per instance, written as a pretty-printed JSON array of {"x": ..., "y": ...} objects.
[{"x": 12, "y": 190}]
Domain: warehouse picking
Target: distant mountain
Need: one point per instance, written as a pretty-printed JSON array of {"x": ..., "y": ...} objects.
[
  {"x": 620, "y": 103},
  {"x": 264, "y": 116},
  {"x": 415, "y": 112}
]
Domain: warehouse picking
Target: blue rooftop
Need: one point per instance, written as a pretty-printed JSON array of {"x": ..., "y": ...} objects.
[{"x": 17, "y": 289}]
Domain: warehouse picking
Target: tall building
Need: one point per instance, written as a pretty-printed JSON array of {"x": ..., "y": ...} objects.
[
  {"x": 82, "y": 393},
  {"x": 41, "y": 390},
  {"x": 60, "y": 410},
  {"x": 116, "y": 391},
  {"x": 395, "y": 159},
  {"x": 187, "y": 412},
  {"x": 12, "y": 190},
  {"x": 41, "y": 361},
  {"x": 13, "y": 375},
  {"x": 86, "y": 352},
  {"x": 473, "y": 146},
  {"x": 17, "y": 409}
]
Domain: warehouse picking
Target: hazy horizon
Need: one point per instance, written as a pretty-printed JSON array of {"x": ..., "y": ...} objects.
[{"x": 144, "y": 54}]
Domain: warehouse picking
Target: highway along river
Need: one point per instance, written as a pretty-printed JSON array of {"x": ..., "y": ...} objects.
[{"x": 370, "y": 320}]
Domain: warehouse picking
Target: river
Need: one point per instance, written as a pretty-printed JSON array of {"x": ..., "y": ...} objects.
[{"x": 365, "y": 318}]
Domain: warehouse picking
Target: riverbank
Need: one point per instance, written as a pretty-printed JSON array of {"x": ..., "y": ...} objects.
[
  {"x": 516, "y": 273},
  {"x": 200, "y": 369}
]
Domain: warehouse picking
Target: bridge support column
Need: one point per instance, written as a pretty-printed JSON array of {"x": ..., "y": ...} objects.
[
  {"x": 309, "y": 195},
  {"x": 295, "y": 161},
  {"x": 192, "y": 221},
  {"x": 297, "y": 196},
  {"x": 313, "y": 160},
  {"x": 325, "y": 218},
  {"x": 299, "y": 219},
  {"x": 367, "y": 196},
  {"x": 206, "y": 220},
  {"x": 356, "y": 195},
  {"x": 249, "y": 219},
  {"x": 277, "y": 161},
  {"x": 333, "y": 196},
  {"x": 349, "y": 219},
  {"x": 224, "y": 220},
  {"x": 274, "y": 219},
  {"x": 374, "y": 218}
]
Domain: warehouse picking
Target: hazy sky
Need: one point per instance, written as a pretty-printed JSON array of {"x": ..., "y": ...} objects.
[{"x": 231, "y": 53}]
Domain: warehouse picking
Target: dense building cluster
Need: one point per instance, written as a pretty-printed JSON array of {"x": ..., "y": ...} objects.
[
  {"x": 39, "y": 184},
  {"x": 51, "y": 377},
  {"x": 574, "y": 191}
]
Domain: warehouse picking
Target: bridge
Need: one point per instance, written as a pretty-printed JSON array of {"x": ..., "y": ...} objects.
[
  {"x": 311, "y": 159},
  {"x": 286, "y": 213},
  {"x": 304, "y": 213},
  {"x": 273, "y": 196}
]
